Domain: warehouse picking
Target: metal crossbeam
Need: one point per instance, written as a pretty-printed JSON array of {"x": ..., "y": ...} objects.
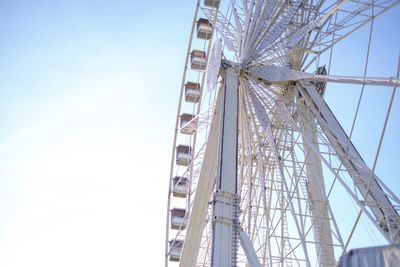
[{"x": 382, "y": 209}]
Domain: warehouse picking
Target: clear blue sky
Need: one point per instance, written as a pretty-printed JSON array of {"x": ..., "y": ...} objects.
[{"x": 88, "y": 96}]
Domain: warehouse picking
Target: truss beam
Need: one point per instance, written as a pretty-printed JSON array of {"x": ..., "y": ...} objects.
[{"x": 376, "y": 199}]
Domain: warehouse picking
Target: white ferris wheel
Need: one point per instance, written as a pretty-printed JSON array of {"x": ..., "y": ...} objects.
[{"x": 262, "y": 171}]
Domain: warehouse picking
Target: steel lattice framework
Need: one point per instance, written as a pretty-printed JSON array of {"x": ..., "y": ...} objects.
[{"x": 247, "y": 182}]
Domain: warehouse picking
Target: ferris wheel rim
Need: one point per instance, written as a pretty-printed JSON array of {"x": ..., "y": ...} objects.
[{"x": 327, "y": 78}]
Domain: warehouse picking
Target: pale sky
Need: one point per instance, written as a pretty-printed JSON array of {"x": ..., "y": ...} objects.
[{"x": 88, "y": 97}]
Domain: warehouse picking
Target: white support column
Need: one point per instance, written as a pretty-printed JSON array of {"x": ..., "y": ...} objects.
[
  {"x": 249, "y": 250},
  {"x": 205, "y": 186},
  {"x": 225, "y": 227},
  {"x": 319, "y": 208}
]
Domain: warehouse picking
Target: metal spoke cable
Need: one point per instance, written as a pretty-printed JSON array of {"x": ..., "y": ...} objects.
[
  {"x": 359, "y": 99},
  {"x": 287, "y": 206},
  {"x": 361, "y": 94},
  {"x": 362, "y": 90},
  {"x": 358, "y": 104},
  {"x": 371, "y": 178},
  {"x": 365, "y": 74}
]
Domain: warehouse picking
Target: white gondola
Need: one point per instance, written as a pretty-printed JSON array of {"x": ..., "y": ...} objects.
[
  {"x": 204, "y": 29},
  {"x": 212, "y": 3},
  {"x": 180, "y": 186},
  {"x": 183, "y": 155},
  {"x": 188, "y": 123},
  {"x": 192, "y": 92},
  {"x": 178, "y": 220},
  {"x": 198, "y": 60},
  {"x": 175, "y": 250}
]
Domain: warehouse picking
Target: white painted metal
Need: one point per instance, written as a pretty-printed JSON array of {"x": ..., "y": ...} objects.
[
  {"x": 225, "y": 221},
  {"x": 283, "y": 138},
  {"x": 383, "y": 210},
  {"x": 204, "y": 190},
  {"x": 171, "y": 174},
  {"x": 277, "y": 74},
  {"x": 249, "y": 250},
  {"x": 319, "y": 205},
  {"x": 376, "y": 81},
  {"x": 213, "y": 66},
  {"x": 189, "y": 96}
]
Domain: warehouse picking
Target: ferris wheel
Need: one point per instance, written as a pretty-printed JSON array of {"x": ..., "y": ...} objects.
[{"x": 262, "y": 171}]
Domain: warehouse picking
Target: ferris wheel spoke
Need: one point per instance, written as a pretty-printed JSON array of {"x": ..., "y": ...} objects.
[
  {"x": 278, "y": 75},
  {"x": 267, "y": 208},
  {"x": 259, "y": 19},
  {"x": 248, "y": 7},
  {"x": 224, "y": 27},
  {"x": 338, "y": 234},
  {"x": 260, "y": 189},
  {"x": 317, "y": 212},
  {"x": 265, "y": 192},
  {"x": 351, "y": 20},
  {"x": 301, "y": 33},
  {"x": 349, "y": 190},
  {"x": 381, "y": 207},
  {"x": 276, "y": 30},
  {"x": 286, "y": 194},
  {"x": 376, "y": 81},
  {"x": 263, "y": 19},
  {"x": 254, "y": 18}
]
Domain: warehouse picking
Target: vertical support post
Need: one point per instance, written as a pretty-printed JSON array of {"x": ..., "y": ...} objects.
[
  {"x": 225, "y": 217},
  {"x": 317, "y": 195}
]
